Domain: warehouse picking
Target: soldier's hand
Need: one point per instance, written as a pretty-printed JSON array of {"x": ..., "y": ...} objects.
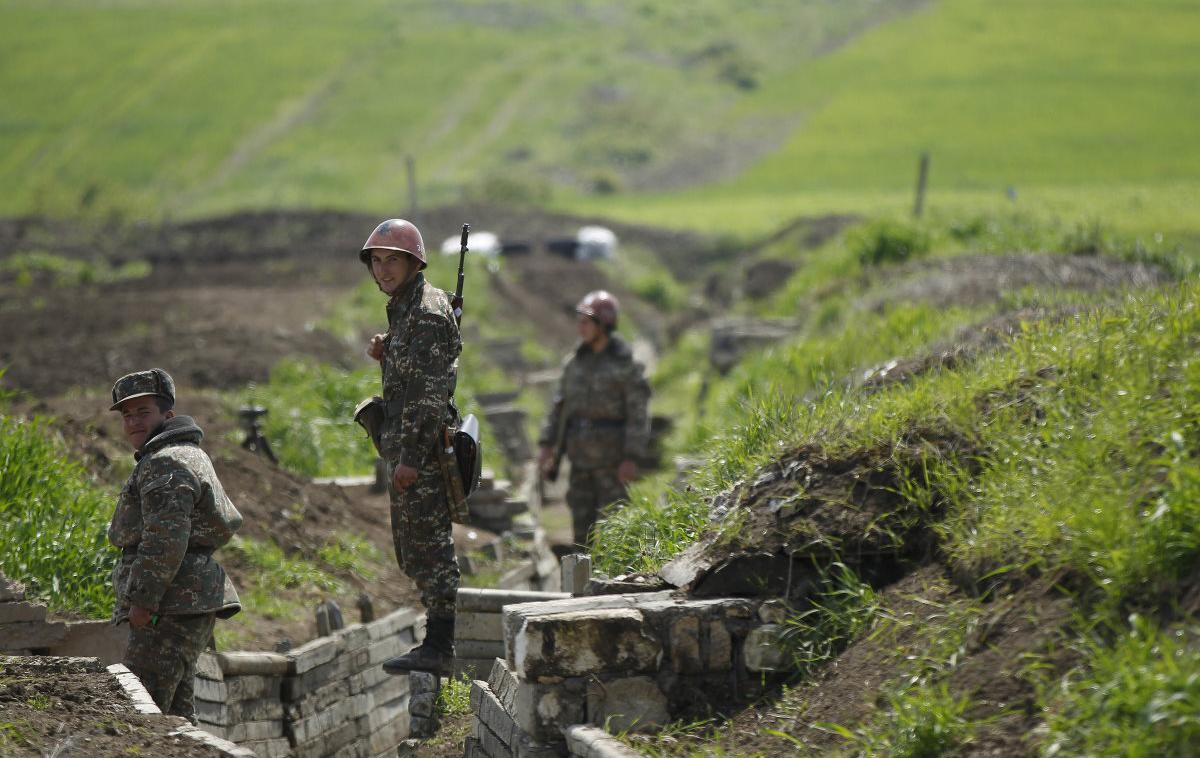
[
  {"x": 627, "y": 472},
  {"x": 139, "y": 616},
  {"x": 375, "y": 348},
  {"x": 403, "y": 477}
]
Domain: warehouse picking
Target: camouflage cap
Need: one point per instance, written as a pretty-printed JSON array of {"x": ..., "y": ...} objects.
[{"x": 142, "y": 383}]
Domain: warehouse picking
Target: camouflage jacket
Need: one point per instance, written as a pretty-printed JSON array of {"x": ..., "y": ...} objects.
[
  {"x": 601, "y": 406},
  {"x": 170, "y": 517},
  {"x": 420, "y": 368}
]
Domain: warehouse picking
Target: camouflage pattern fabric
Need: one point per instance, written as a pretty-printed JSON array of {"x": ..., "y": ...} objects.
[
  {"x": 602, "y": 404},
  {"x": 589, "y": 492},
  {"x": 170, "y": 517},
  {"x": 164, "y": 658},
  {"x": 424, "y": 540},
  {"x": 420, "y": 364}
]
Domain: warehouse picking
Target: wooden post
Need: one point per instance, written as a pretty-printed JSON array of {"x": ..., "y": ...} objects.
[
  {"x": 411, "y": 164},
  {"x": 922, "y": 175}
]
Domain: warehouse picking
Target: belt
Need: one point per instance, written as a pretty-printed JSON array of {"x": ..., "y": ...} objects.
[
  {"x": 132, "y": 550},
  {"x": 583, "y": 424}
]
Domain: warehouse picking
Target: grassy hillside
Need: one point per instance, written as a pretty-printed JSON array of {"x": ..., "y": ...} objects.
[
  {"x": 201, "y": 106},
  {"x": 1038, "y": 496},
  {"x": 1084, "y": 108}
]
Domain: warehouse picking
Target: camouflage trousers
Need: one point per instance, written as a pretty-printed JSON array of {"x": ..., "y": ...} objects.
[
  {"x": 589, "y": 492},
  {"x": 424, "y": 540},
  {"x": 164, "y": 657}
]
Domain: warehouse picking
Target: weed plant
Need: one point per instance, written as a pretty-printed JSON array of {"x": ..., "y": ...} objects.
[
  {"x": 56, "y": 522},
  {"x": 1139, "y": 694},
  {"x": 843, "y": 610}
]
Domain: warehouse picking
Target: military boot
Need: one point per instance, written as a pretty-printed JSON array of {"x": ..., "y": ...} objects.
[{"x": 435, "y": 654}]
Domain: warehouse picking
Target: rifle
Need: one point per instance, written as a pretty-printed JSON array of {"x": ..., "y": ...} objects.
[
  {"x": 456, "y": 302},
  {"x": 560, "y": 443}
]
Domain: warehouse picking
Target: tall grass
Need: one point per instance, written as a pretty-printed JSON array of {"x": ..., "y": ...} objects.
[{"x": 55, "y": 522}]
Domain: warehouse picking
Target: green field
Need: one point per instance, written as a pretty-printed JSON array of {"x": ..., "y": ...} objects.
[
  {"x": 702, "y": 116},
  {"x": 198, "y": 107}
]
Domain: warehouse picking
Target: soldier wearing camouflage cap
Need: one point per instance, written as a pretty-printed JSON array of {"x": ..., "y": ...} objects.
[
  {"x": 599, "y": 416},
  {"x": 419, "y": 359},
  {"x": 170, "y": 517}
]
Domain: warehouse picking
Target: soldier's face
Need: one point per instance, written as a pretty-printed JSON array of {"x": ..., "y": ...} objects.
[
  {"x": 589, "y": 330},
  {"x": 139, "y": 417},
  {"x": 391, "y": 269}
]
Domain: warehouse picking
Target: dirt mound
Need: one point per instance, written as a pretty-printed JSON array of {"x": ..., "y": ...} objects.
[
  {"x": 61, "y": 707},
  {"x": 811, "y": 508}
]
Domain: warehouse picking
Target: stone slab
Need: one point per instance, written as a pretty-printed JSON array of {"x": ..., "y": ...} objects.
[
  {"x": 255, "y": 730},
  {"x": 210, "y": 691},
  {"x": 305, "y": 730},
  {"x": 260, "y": 664},
  {"x": 593, "y": 742},
  {"x": 276, "y": 748},
  {"x": 477, "y": 625},
  {"x": 134, "y": 689},
  {"x": 631, "y": 704},
  {"x": 94, "y": 639},
  {"x": 576, "y": 643},
  {"x": 31, "y": 635},
  {"x": 208, "y": 667},
  {"x": 394, "y": 622},
  {"x": 479, "y": 600},
  {"x": 313, "y": 654},
  {"x": 13, "y": 612},
  {"x": 11, "y": 591}
]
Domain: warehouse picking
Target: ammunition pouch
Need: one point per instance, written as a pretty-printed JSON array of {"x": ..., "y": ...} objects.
[
  {"x": 461, "y": 463},
  {"x": 370, "y": 415}
]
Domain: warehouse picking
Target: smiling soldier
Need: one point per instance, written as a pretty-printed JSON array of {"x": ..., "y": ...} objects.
[
  {"x": 170, "y": 517},
  {"x": 419, "y": 358}
]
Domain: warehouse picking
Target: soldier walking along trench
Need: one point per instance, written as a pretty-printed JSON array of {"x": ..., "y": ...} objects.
[
  {"x": 170, "y": 517},
  {"x": 411, "y": 426},
  {"x": 598, "y": 417}
]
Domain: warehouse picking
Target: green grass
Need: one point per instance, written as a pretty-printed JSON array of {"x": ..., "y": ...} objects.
[
  {"x": 200, "y": 107},
  {"x": 56, "y": 522},
  {"x": 1080, "y": 106},
  {"x": 1139, "y": 695}
]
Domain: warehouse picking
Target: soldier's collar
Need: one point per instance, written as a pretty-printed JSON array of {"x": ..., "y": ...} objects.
[{"x": 405, "y": 292}]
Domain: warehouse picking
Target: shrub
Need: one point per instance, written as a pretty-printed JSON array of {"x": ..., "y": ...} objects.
[{"x": 889, "y": 241}]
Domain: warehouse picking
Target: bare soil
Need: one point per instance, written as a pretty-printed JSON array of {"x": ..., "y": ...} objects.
[{"x": 73, "y": 709}]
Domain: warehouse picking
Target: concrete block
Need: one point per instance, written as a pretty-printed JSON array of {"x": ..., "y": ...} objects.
[
  {"x": 503, "y": 683},
  {"x": 476, "y": 625},
  {"x": 313, "y": 654},
  {"x": 208, "y": 667},
  {"x": 633, "y": 704},
  {"x": 353, "y": 637},
  {"x": 207, "y": 689},
  {"x": 296, "y": 687},
  {"x": 252, "y": 687},
  {"x": 31, "y": 635},
  {"x": 576, "y": 643},
  {"x": 386, "y": 712},
  {"x": 369, "y": 678},
  {"x": 211, "y": 712},
  {"x": 396, "y": 621},
  {"x": 255, "y": 730},
  {"x": 485, "y": 649},
  {"x": 94, "y": 639},
  {"x": 422, "y": 704},
  {"x": 262, "y": 709},
  {"x": 306, "y": 729},
  {"x": 471, "y": 599},
  {"x": 259, "y": 664},
  {"x": 315, "y": 701},
  {"x": 594, "y": 742},
  {"x": 276, "y": 748},
  {"x": 11, "y": 613}
]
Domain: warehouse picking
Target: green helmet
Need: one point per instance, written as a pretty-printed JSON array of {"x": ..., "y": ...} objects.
[{"x": 142, "y": 383}]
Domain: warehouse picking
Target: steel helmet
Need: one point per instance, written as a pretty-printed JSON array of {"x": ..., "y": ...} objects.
[
  {"x": 600, "y": 305},
  {"x": 394, "y": 234}
]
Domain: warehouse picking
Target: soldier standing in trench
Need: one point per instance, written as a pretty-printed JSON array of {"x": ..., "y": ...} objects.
[
  {"x": 170, "y": 517},
  {"x": 598, "y": 416},
  {"x": 419, "y": 358}
]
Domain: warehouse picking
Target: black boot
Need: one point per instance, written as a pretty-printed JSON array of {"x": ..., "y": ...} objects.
[{"x": 435, "y": 654}]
